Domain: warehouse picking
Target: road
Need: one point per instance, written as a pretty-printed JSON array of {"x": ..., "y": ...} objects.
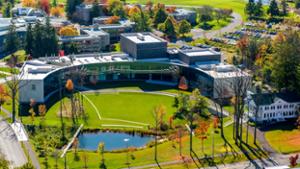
[{"x": 10, "y": 147}]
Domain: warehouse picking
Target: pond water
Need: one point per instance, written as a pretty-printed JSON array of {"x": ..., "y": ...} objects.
[{"x": 112, "y": 141}]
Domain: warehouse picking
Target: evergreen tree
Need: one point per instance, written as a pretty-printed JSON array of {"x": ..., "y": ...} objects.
[
  {"x": 206, "y": 13},
  {"x": 71, "y": 7},
  {"x": 284, "y": 7},
  {"x": 184, "y": 27},
  {"x": 297, "y": 4},
  {"x": 6, "y": 12},
  {"x": 11, "y": 40},
  {"x": 259, "y": 11},
  {"x": 141, "y": 20},
  {"x": 95, "y": 11},
  {"x": 54, "y": 3},
  {"x": 250, "y": 8},
  {"x": 29, "y": 40},
  {"x": 273, "y": 8},
  {"x": 160, "y": 16},
  {"x": 169, "y": 27}
]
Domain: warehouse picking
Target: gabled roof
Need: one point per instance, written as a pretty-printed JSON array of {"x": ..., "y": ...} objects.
[{"x": 269, "y": 98}]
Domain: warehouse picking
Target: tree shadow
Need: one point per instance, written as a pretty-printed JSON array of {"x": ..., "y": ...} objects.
[{"x": 157, "y": 163}]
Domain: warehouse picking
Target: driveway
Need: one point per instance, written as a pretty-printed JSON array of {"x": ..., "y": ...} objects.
[{"x": 10, "y": 147}]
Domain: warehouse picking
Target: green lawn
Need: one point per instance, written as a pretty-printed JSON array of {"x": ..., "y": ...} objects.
[
  {"x": 284, "y": 138},
  {"x": 236, "y": 5},
  {"x": 112, "y": 107}
]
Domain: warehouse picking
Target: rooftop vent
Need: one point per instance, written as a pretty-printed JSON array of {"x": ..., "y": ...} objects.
[{"x": 140, "y": 37}]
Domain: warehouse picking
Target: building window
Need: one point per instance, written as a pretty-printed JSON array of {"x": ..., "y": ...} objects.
[
  {"x": 267, "y": 108},
  {"x": 33, "y": 87},
  {"x": 272, "y": 107},
  {"x": 279, "y": 107},
  {"x": 264, "y": 115},
  {"x": 285, "y": 106},
  {"x": 291, "y": 105}
]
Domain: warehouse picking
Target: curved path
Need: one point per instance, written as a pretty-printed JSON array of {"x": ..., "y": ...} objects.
[{"x": 197, "y": 33}]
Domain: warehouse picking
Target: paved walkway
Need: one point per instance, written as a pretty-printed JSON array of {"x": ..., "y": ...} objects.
[
  {"x": 27, "y": 145},
  {"x": 262, "y": 140},
  {"x": 10, "y": 147}
]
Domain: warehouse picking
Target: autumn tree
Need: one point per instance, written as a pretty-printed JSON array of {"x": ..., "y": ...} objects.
[
  {"x": 112, "y": 20},
  {"x": 3, "y": 94},
  {"x": 45, "y": 5},
  {"x": 201, "y": 132},
  {"x": 57, "y": 11},
  {"x": 29, "y": 3},
  {"x": 68, "y": 31}
]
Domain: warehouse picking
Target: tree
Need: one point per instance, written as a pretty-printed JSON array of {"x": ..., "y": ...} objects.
[
  {"x": 240, "y": 85},
  {"x": 284, "y": 7},
  {"x": 215, "y": 126},
  {"x": 273, "y": 9},
  {"x": 57, "y": 11},
  {"x": 206, "y": 13},
  {"x": 54, "y": 3},
  {"x": 68, "y": 31},
  {"x": 184, "y": 27},
  {"x": 250, "y": 8},
  {"x": 157, "y": 112},
  {"x": 71, "y": 7},
  {"x": 29, "y": 3},
  {"x": 115, "y": 7},
  {"x": 201, "y": 132},
  {"x": 101, "y": 152},
  {"x": 95, "y": 11},
  {"x": 112, "y": 20},
  {"x": 297, "y": 4},
  {"x": 293, "y": 160},
  {"x": 286, "y": 58},
  {"x": 258, "y": 11},
  {"x": 160, "y": 15},
  {"x": 26, "y": 166},
  {"x": 11, "y": 40},
  {"x": 6, "y": 12},
  {"x": 45, "y": 5},
  {"x": 29, "y": 40},
  {"x": 142, "y": 21},
  {"x": 190, "y": 107},
  {"x": 170, "y": 27}
]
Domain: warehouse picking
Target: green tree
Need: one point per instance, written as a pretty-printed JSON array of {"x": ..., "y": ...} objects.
[
  {"x": 184, "y": 27},
  {"x": 170, "y": 27},
  {"x": 189, "y": 107},
  {"x": 101, "y": 152},
  {"x": 160, "y": 15},
  {"x": 273, "y": 8},
  {"x": 4, "y": 164},
  {"x": 95, "y": 11},
  {"x": 297, "y": 4},
  {"x": 206, "y": 13},
  {"x": 26, "y": 166},
  {"x": 54, "y": 3},
  {"x": 258, "y": 11},
  {"x": 142, "y": 21},
  {"x": 286, "y": 58},
  {"x": 250, "y": 8},
  {"x": 6, "y": 12},
  {"x": 29, "y": 40},
  {"x": 11, "y": 40},
  {"x": 284, "y": 7},
  {"x": 115, "y": 7},
  {"x": 71, "y": 7}
]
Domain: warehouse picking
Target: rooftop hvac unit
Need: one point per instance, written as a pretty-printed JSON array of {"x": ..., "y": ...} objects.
[{"x": 140, "y": 37}]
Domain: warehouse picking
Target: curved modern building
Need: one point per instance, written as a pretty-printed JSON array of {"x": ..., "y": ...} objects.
[{"x": 145, "y": 58}]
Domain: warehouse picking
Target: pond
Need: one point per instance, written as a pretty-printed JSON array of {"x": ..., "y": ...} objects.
[{"x": 112, "y": 141}]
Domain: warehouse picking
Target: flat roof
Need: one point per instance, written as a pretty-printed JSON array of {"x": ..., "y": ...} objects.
[
  {"x": 200, "y": 53},
  {"x": 145, "y": 37}
]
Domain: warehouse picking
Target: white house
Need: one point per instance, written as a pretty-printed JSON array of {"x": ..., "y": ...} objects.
[{"x": 273, "y": 107}]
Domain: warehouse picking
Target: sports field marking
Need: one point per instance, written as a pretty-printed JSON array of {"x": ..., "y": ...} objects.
[
  {"x": 127, "y": 121},
  {"x": 117, "y": 125},
  {"x": 97, "y": 111}
]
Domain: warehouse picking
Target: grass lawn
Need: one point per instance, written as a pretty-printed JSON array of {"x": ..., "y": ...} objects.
[
  {"x": 214, "y": 25},
  {"x": 284, "y": 138},
  {"x": 136, "y": 107},
  {"x": 236, "y": 5}
]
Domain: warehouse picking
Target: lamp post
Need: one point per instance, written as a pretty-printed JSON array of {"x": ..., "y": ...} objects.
[{"x": 126, "y": 140}]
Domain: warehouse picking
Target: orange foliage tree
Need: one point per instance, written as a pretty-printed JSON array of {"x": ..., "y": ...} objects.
[
  {"x": 171, "y": 9},
  {"x": 3, "y": 95},
  {"x": 112, "y": 20},
  {"x": 133, "y": 11},
  {"x": 45, "y": 6},
  {"x": 68, "y": 31},
  {"x": 201, "y": 132},
  {"x": 29, "y": 3},
  {"x": 69, "y": 85},
  {"x": 57, "y": 11}
]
